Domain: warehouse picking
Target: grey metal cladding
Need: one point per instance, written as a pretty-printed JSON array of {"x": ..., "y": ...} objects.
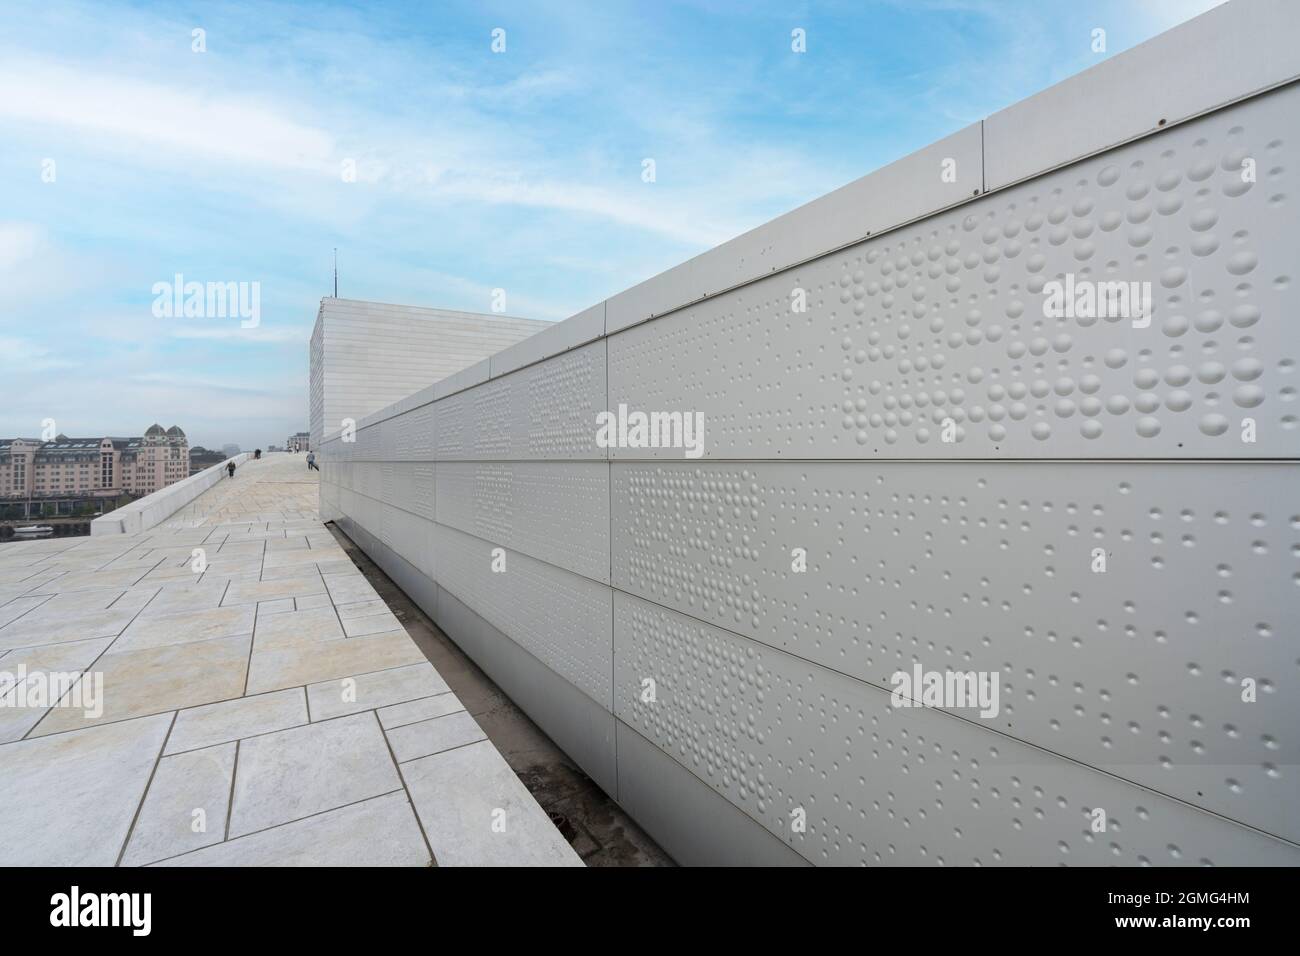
[
  {"x": 452, "y": 438},
  {"x": 686, "y": 816},
  {"x": 934, "y": 177},
  {"x": 424, "y": 482},
  {"x": 587, "y": 326},
  {"x": 376, "y": 354},
  {"x": 945, "y": 319},
  {"x": 1133, "y": 663},
  {"x": 582, "y": 727},
  {"x": 775, "y": 734},
  {"x": 562, "y": 619},
  {"x": 414, "y": 434},
  {"x": 557, "y": 511},
  {"x": 1231, "y": 51},
  {"x": 562, "y": 398},
  {"x": 545, "y": 411},
  {"x": 1101, "y": 536}
]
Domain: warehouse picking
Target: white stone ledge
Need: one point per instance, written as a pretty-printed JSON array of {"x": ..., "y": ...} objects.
[{"x": 152, "y": 510}]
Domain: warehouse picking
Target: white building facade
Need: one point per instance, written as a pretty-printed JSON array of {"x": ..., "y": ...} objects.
[{"x": 365, "y": 355}]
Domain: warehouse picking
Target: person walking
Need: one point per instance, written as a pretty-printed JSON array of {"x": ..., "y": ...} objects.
[
  {"x": 311, "y": 460},
  {"x": 230, "y": 467}
]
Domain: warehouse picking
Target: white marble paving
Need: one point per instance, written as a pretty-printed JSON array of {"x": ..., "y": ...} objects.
[{"x": 256, "y": 699}]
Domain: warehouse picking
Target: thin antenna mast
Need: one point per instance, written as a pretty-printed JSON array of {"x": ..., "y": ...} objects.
[{"x": 336, "y": 272}]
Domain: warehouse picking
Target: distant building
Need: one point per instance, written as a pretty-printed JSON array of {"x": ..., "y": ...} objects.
[
  {"x": 95, "y": 467},
  {"x": 230, "y": 451},
  {"x": 366, "y": 355},
  {"x": 201, "y": 458},
  {"x": 299, "y": 441}
]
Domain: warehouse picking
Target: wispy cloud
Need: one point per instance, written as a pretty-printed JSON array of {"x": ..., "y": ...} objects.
[
  {"x": 164, "y": 121},
  {"x": 205, "y": 330},
  {"x": 23, "y": 354},
  {"x": 19, "y": 242}
]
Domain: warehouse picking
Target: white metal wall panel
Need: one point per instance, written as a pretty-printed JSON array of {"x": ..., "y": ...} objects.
[
  {"x": 411, "y": 346},
  {"x": 1119, "y": 689},
  {"x": 402, "y": 489},
  {"x": 558, "y": 403},
  {"x": 1229, "y": 52},
  {"x": 586, "y": 326},
  {"x": 1136, "y": 669},
  {"x": 555, "y": 511},
  {"x": 902, "y": 191},
  {"x": 883, "y": 785},
  {"x": 944, "y": 319},
  {"x": 561, "y": 618},
  {"x": 424, "y": 502},
  {"x": 547, "y": 410}
]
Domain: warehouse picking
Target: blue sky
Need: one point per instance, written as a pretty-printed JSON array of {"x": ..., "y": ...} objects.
[{"x": 475, "y": 170}]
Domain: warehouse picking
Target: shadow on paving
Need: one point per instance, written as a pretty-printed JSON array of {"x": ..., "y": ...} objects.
[{"x": 599, "y": 830}]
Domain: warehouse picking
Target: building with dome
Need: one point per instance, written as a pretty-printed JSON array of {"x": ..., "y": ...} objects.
[{"x": 93, "y": 467}]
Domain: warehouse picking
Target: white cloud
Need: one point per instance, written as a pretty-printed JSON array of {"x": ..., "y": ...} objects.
[
  {"x": 24, "y": 355},
  {"x": 179, "y": 121},
  {"x": 19, "y": 243},
  {"x": 661, "y": 215},
  {"x": 179, "y": 127},
  {"x": 231, "y": 331}
]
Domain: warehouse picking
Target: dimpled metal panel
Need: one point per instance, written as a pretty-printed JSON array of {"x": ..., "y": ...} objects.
[
  {"x": 560, "y": 401},
  {"x": 415, "y": 435},
  {"x": 451, "y": 438},
  {"x": 945, "y": 320},
  {"x": 1221, "y": 55},
  {"x": 888, "y": 196},
  {"x": 883, "y": 785},
  {"x": 547, "y": 410},
  {"x": 561, "y": 618},
  {"x": 989, "y": 567},
  {"x": 555, "y": 511},
  {"x": 423, "y": 500},
  {"x": 1077, "y": 439}
]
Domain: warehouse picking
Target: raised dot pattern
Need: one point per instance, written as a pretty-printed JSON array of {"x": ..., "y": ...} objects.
[
  {"x": 559, "y": 617},
  {"x": 880, "y": 785},
  {"x": 939, "y": 328},
  {"x": 555, "y": 511},
  {"x": 989, "y": 567}
]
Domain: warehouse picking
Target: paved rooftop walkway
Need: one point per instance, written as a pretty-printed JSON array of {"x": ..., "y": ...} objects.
[{"x": 260, "y": 704}]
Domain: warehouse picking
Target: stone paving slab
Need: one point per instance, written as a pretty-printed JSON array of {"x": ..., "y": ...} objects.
[
  {"x": 69, "y": 799},
  {"x": 236, "y": 719},
  {"x": 260, "y": 706},
  {"x": 414, "y": 711},
  {"x": 286, "y": 627},
  {"x": 309, "y": 662},
  {"x": 19, "y": 713},
  {"x": 476, "y": 812},
  {"x": 51, "y": 627},
  {"x": 291, "y": 774},
  {"x": 334, "y": 698},
  {"x": 186, "y": 806},
  {"x": 157, "y": 679},
  {"x": 434, "y": 736},
  {"x": 382, "y": 831},
  {"x": 183, "y": 627}
]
